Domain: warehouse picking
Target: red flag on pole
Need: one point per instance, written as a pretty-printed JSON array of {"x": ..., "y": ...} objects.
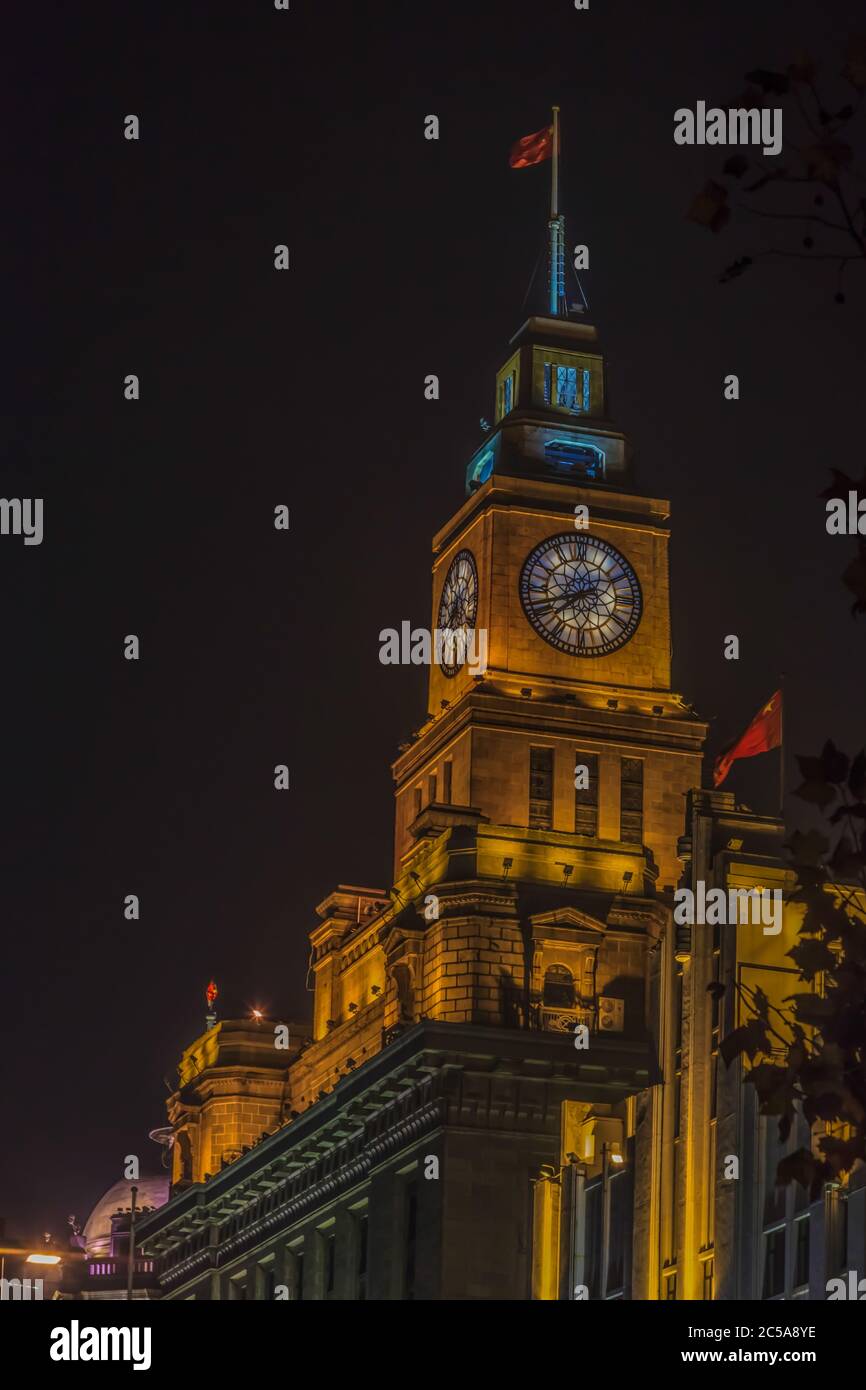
[
  {"x": 532, "y": 149},
  {"x": 764, "y": 733}
]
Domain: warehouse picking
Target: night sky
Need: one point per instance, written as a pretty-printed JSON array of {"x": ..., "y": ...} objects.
[{"x": 408, "y": 257}]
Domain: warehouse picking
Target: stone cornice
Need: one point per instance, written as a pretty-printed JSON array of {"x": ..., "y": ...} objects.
[{"x": 409, "y": 1089}]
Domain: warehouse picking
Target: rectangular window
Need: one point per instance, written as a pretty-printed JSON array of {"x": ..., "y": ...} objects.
[
  {"x": 619, "y": 1194},
  {"x": 295, "y": 1272},
  {"x": 774, "y": 1263},
  {"x": 586, "y": 798},
  {"x": 671, "y": 1287},
  {"x": 675, "y": 1201},
  {"x": 709, "y": 1275},
  {"x": 631, "y": 801},
  {"x": 329, "y": 1262},
  {"x": 711, "y": 1185},
  {"x": 410, "y": 1216},
  {"x": 508, "y": 394},
  {"x": 837, "y": 1231},
  {"x": 361, "y": 1248},
  {"x": 447, "y": 770},
  {"x": 566, "y": 387},
  {"x": 431, "y": 787},
  {"x": 592, "y": 1238},
  {"x": 801, "y": 1252},
  {"x": 774, "y": 1197},
  {"x": 417, "y": 801},
  {"x": 540, "y": 788}
]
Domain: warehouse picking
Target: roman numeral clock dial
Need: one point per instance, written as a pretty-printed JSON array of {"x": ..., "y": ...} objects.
[
  {"x": 580, "y": 594},
  {"x": 458, "y": 609}
]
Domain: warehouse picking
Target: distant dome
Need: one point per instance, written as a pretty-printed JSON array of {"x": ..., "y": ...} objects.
[{"x": 152, "y": 1192}]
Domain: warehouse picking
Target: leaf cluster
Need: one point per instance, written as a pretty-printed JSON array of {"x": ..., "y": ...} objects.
[{"x": 810, "y": 1056}]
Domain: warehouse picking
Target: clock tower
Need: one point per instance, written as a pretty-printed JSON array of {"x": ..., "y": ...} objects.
[
  {"x": 560, "y": 565},
  {"x": 505, "y": 1018}
]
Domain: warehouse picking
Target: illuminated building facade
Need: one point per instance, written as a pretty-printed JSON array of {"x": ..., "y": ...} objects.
[{"x": 510, "y": 1087}]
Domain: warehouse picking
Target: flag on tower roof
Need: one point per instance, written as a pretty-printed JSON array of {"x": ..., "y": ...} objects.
[
  {"x": 764, "y": 733},
  {"x": 532, "y": 149}
]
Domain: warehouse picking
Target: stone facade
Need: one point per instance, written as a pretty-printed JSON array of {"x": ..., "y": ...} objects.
[{"x": 510, "y": 1085}]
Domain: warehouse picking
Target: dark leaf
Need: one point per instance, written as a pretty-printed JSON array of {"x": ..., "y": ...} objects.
[
  {"x": 827, "y": 1106},
  {"x": 855, "y": 61},
  {"x": 854, "y": 578},
  {"x": 773, "y": 1087},
  {"x": 800, "y": 1167},
  {"x": 854, "y": 808},
  {"x": 759, "y": 183},
  {"x": 775, "y": 82},
  {"x": 751, "y": 1038},
  {"x": 716, "y": 990},
  {"x": 847, "y": 862},
  {"x": 736, "y": 165},
  {"x": 709, "y": 208},
  {"x": 734, "y": 1045},
  {"x": 808, "y": 848},
  {"x": 811, "y": 768},
  {"x": 826, "y": 160},
  {"x": 842, "y": 1154},
  {"x": 834, "y": 762},
  {"x": 823, "y": 915},
  {"x": 802, "y": 69},
  {"x": 760, "y": 1003},
  {"x": 811, "y": 956},
  {"x": 841, "y": 484},
  {"x": 735, "y": 269},
  {"x": 857, "y": 775},
  {"x": 811, "y": 1008},
  {"x": 818, "y": 793}
]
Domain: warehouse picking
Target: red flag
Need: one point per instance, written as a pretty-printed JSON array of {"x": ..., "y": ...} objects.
[
  {"x": 532, "y": 149},
  {"x": 764, "y": 733},
  {"x": 210, "y": 993}
]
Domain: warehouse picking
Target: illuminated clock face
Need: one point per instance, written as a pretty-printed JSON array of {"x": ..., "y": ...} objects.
[
  {"x": 458, "y": 609},
  {"x": 580, "y": 594}
]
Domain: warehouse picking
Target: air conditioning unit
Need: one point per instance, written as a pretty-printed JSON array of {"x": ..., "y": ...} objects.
[{"x": 611, "y": 1015}]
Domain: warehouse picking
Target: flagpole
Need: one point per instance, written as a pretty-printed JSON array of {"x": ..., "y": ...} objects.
[
  {"x": 782, "y": 748},
  {"x": 557, "y": 250},
  {"x": 554, "y": 168}
]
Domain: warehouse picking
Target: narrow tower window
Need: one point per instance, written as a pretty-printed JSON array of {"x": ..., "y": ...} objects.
[
  {"x": 447, "y": 770},
  {"x": 586, "y": 798},
  {"x": 561, "y": 387},
  {"x": 540, "y": 788},
  {"x": 631, "y": 801}
]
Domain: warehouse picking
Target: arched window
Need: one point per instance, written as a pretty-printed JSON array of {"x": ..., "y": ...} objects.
[{"x": 558, "y": 988}]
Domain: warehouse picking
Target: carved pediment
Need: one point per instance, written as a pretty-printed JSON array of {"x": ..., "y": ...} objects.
[{"x": 566, "y": 919}]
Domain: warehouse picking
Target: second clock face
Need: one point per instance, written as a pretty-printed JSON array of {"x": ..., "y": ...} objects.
[
  {"x": 458, "y": 607},
  {"x": 580, "y": 594}
]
